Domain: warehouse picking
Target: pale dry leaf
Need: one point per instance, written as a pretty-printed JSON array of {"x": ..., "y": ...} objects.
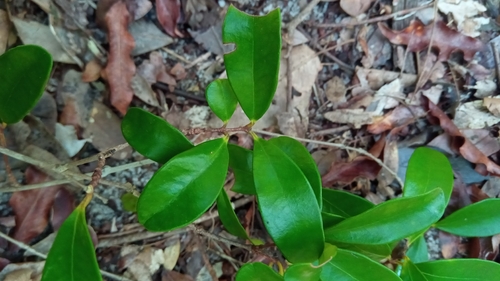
[
  {"x": 120, "y": 68},
  {"x": 171, "y": 255},
  {"x": 484, "y": 88},
  {"x": 66, "y": 136},
  {"x": 147, "y": 37},
  {"x": 391, "y": 160},
  {"x": 433, "y": 93},
  {"x": 493, "y": 105},
  {"x": 154, "y": 70},
  {"x": 290, "y": 125},
  {"x": 35, "y": 268},
  {"x": 335, "y": 90},
  {"x": 142, "y": 90},
  {"x": 376, "y": 78},
  {"x": 298, "y": 38},
  {"x": 210, "y": 39},
  {"x": 34, "y": 33},
  {"x": 305, "y": 68},
  {"x": 464, "y": 14},
  {"x": 4, "y": 30},
  {"x": 355, "y": 8},
  {"x": 104, "y": 131},
  {"x": 355, "y": 117},
  {"x": 388, "y": 96},
  {"x": 473, "y": 115}
]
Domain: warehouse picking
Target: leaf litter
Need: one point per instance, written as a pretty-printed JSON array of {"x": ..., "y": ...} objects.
[{"x": 353, "y": 94}]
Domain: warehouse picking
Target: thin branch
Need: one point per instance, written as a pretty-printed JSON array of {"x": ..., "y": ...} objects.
[
  {"x": 70, "y": 175},
  {"x": 373, "y": 20},
  {"x": 44, "y": 256},
  {"x": 342, "y": 146},
  {"x": 203, "y": 232},
  {"x": 221, "y": 130},
  {"x": 107, "y": 153}
]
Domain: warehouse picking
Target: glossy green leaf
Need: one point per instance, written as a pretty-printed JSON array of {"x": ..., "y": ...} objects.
[
  {"x": 383, "y": 223},
  {"x": 129, "y": 202},
  {"x": 240, "y": 162},
  {"x": 228, "y": 217},
  {"x": 428, "y": 169},
  {"x": 72, "y": 256},
  {"x": 479, "y": 219},
  {"x": 221, "y": 99},
  {"x": 253, "y": 67},
  {"x": 411, "y": 273},
  {"x": 344, "y": 204},
  {"x": 351, "y": 266},
  {"x": 185, "y": 187},
  {"x": 287, "y": 204},
  {"x": 299, "y": 154},
  {"x": 460, "y": 270},
  {"x": 418, "y": 250},
  {"x": 330, "y": 220},
  {"x": 302, "y": 272},
  {"x": 25, "y": 71},
  {"x": 257, "y": 271},
  {"x": 374, "y": 252},
  {"x": 152, "y": 136}
]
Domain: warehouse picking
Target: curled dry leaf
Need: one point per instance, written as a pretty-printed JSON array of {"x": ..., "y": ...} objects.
[
  {"x": 32, "y": 207},
  {"x": 400, "y": 116},
  {"x": 493, "y": 105},
  {"x": 120, "y": 68},
  {"x": 459, "y": 143},
  {"x": 417, "y": 37},
  {"x": 168, "y": 13}
]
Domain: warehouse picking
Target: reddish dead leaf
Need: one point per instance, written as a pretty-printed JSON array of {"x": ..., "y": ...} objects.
[
  {"x": 136, "y": 8},
  {"x": 64, "y": 204},
  {"x": 417, "y": 37},
  {"x": 459, "y": 143},
  {"x": 178, "y": 71},
  {"x": 168, "y": 275},
  {"x": 92, "y": 71},
  {"x": 361, "y": 166},
  {"x": 120, "y": 68},
  {"x": 168, "y": 13},
  {"x": 154, "y": 70},
  {"x": 400, "y": 116},
  {"x": 32, "y": 207}
]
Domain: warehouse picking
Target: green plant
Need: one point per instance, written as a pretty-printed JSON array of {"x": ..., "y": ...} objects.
[
  {"x": 324, "y": 234},
  {"x": 25, "y": 71}
]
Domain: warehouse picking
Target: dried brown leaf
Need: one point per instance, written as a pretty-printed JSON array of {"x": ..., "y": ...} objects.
[
  {"x": 120, "y": 68},
  {"x": 92, "y": 71},
  {"x": 418, "y": 36},
  {"x": 361, "y": 166},
  {"x": 459, "y": 143},
  {"x": 400, "y": 116},
  {"x": 168, "y": 13},
  {"x": 32, "y": 207}
]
